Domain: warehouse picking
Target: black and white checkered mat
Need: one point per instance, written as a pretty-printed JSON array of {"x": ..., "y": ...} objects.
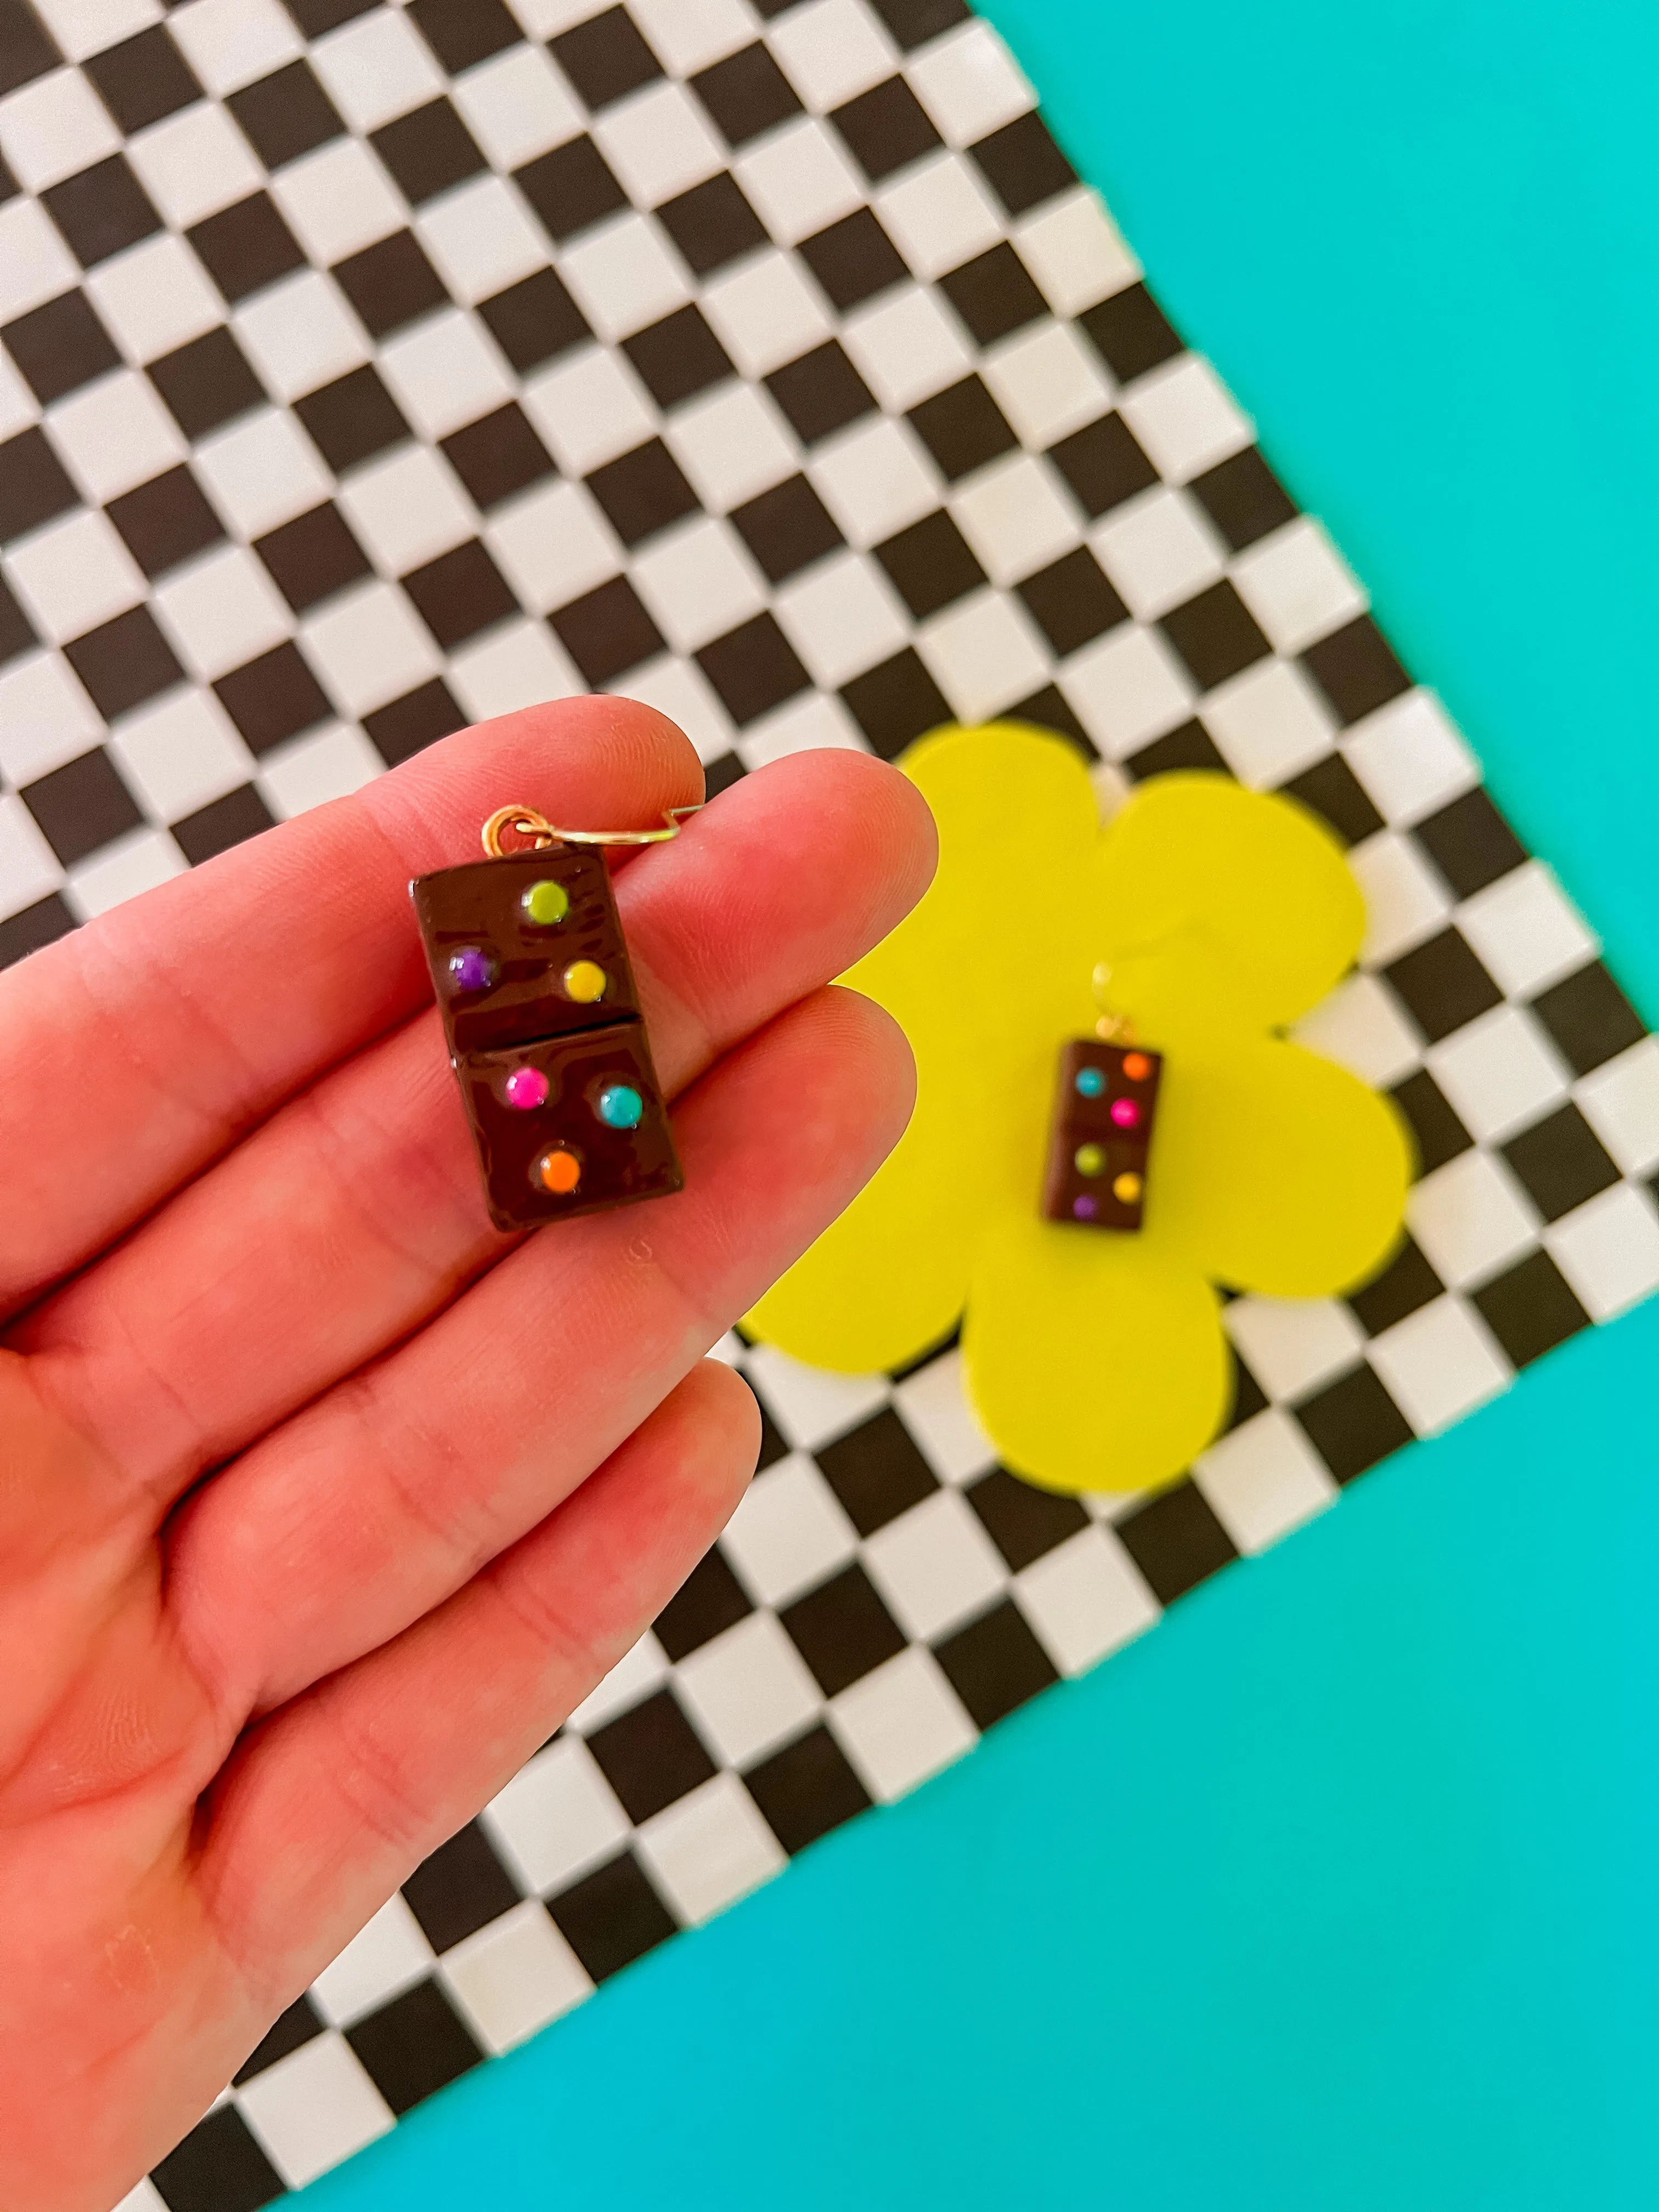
[{"x": 370, "y": 368}]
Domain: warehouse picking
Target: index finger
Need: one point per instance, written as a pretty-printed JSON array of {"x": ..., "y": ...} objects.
[{"x": 140, "y": 1047}]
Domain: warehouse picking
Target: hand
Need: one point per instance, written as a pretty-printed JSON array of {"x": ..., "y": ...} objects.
[{"x": 321, "y": 1501}]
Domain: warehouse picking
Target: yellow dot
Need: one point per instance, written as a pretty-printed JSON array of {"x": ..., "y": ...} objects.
[
  {"x": 1089, "y": 1159},
  {"x": 584, "y": 981},
  {"x": 559, "y": 1172},
  {"x": 1126, "y": 1189}
]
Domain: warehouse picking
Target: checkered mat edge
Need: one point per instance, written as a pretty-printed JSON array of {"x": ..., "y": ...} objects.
[{"x": 368, "y": 369}]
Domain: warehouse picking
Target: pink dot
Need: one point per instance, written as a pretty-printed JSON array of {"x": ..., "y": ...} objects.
[
  {"x": 1125, "y": 1113},
  {"x": 526, "y": 1088}
]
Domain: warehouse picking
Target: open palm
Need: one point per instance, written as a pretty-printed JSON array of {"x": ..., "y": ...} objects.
[{"x": 321, "y": 1501}]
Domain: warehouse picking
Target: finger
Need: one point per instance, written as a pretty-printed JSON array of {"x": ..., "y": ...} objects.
[
  {"x": 362, "y": 1199},
  {"x": 331, "y": 1802},
  {"x": 371, "y": 1506},
  {"x": 138, "y": 1048}
]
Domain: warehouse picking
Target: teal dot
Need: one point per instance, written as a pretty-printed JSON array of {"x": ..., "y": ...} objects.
[
  {"x": 620, "y": 1106},
  {"x": 1090, "y": 1081}
]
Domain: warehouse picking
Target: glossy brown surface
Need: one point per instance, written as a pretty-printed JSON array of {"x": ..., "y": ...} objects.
[{"x": 1080, "y": 1121}]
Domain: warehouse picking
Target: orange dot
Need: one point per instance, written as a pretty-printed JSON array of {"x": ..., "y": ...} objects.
[
  {"x": 1137, "y": 1066},
  {"x": 1126, "y": 1189},
  {"x": 558, "y": 1172}
]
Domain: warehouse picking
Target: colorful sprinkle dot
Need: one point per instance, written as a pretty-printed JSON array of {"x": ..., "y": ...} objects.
[
  {"x": 1090, "y": 1081},
  {"x": 1085, "y": 1208},
  {"x": 557, "y": 1171},
  {"x": 1126, "y": 1189},
  {"x": 1089, "y": 1160},
  {"x": 584, "y": 981},
  {"x": 526, "y": 1088},
  {"x": 619, "y": 1106},
  {"x": 547, "y": 903},
  {"x": 471, "y": 968},
  {"x": 1125, "y": 1113},
  {"x": 1137, "y": 1066}
]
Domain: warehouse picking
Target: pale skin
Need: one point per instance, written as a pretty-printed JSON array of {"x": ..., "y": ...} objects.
[{"x": 322, "y": 1502}]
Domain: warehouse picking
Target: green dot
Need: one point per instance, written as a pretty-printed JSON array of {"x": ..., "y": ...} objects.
[
  {"x": 547, "y": 903},
  {"x": 1089, "y": 1160}
]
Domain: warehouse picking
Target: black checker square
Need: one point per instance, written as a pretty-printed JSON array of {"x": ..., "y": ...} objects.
[
  {"x": 912, "y": 23},
  {"x": 460, "y": 1887},
  {"x": 407, "y": 725},
  {"x": 642, "y": 492},
  {"x": 707, "y": 1602},
  {"x": 1022, "y": 163},
  {"x": 166, "y": 520},
  {"x": 460, "y": 594},
  {"x": 607, "y": 631},
  {"x": 462, "y": 33},
  {"x": 719, "y": 775},
  {"x": 290, "y": 2031},
  {"x": 535, "y": 320},
  {"x": 390, "y": 282},
  {"x": 60, "y": 347},
  {"x": 1188, "y": 745},
  {"x": 854, "y": 259},
  {"x": 678, "y": 357},
  {"x": 896, "y": 702},
  {"x": 35, "y": 485},
  {"x": 33, "y": 927},
  {"x": 273, "y": 698},
  {"x": 214, "y": 828},
  {"x": 993, "y": 294},
  {"x": 1072, "y": 601},
  {"x": 1470, "y": 842},
  {"x": 1352, "y": 1423},
  {"x": 1049, "y": 709},
  {"x": 316, "y": 16},
  {"x": 205, "y": 384},
  {"x": 877, "y": 1472},
  {"x": 995, "y": 1665},
  {"x": 1244, "y": 498},
  {"x": 414, "y": 2046},
  {"x": 352, "y": 419},
  {"x": 745, "y": 94},
  {"x": 1407, "y": 1283},
  {"x": 286, "y": 114},
  {"x": 1023, "y": 1522},
  {"x": 312, "y": 556},
  {"x": 612, "y": 1916},
  {"x": 1175, "y": 1540},
  {"x": 842, "y": 1630},
  {"x": 25, "y": 50},
  {"x": 1130, "y": 332},
  {"x": 570, "y": 188},
  {"x": 1356, "y": 669},
  {"x": 1589, "y": 1018},
  {"x": 963, "y": 428},
  {"x": 124, "y": 662},
  {"x": 142, "y": 78},
  {"x": 427, "y": 150},
  {"x": 885, "y": 129},
  {"x": 754, "y": 668},
  {"x": 932, "y": 563},
  {"x": 497, "y": 455},
  {"x": 651, "y": 1755},
  {"x": 1216, "y": 635},
  {"x": 1332, "y": 790},
  {"x": 1440, "y": 1135},
  {"x": 1103, "y": 464},
  {"x": 605, "y": 57},
  {"x": 246, "y": 246},
  {"x": 16, "y": 635},
  {"x": 1249, "y": 1398},
  {"x": 1530, "y": 1309},
  {"x": 1560, "y": 1161},
  {"x": 820, "y": 392},
  {"x": 712, "y": 224},
  {"x": 1443, "y": 985},
  {"x": 806, "y": 1789},
  {"x": 101, "y": 210},
  {"x": 787, "y": 528},
  {"x": 218, "y": 2167}
]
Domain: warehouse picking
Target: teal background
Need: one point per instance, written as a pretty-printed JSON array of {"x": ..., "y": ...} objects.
[{"x": 1338, "y": 1890}]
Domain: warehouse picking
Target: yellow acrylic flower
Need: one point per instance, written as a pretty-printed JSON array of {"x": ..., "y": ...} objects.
[{"x": 1096, "y": 1359}]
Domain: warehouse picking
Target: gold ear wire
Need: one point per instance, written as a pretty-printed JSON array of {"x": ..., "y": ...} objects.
[
  {"x": 1110, "y": 1029},
  {"x": 542, "y": 833}
]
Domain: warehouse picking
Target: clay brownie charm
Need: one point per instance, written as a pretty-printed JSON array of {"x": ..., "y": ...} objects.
[
  {"x": 1101, "y": 1134},
  {"x": 545, "y": 1035}
]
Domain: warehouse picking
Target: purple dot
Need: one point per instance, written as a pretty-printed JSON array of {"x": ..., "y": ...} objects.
[
  {"x": 471, "y": 968},
  {"x": 1085, "y": 1208}
]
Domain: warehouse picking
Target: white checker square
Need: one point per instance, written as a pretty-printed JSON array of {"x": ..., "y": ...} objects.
[
  {"x": 517, "y": 106},
  {"x": 556, "y": 1818},
  {"x": 874, "y": 478},
  {"x": 1500, "y": 1072},
  {"x": 87, "y": 27},
  {"x": 326, "y": 763},
  {"x": 1360, "y": 1026},
  {"x": 387, "y": 1956},
  {"x": 553, "y": 544},
  {"x": 519, "y": 665},
  {"x": 181, "y": 754},
  {"x": 1268, "y": 724},
  {"x": 194, "y": 163},
  {"x": 1263, "y": 1479},
  {"x": 34, "y": 263},
  {"x": 679, "y": 689},
  {"x": 968, "y": 83},
  {"x": 481, "y": 239},
  {"x": 934, "y": 1565},
  {"x": 748, "y": 1690},
  {"x": 375, "y": 67},
  {"x": 74, "y": 574},
  {"x": 933, "y": 1405},
  {"x": 1292, "y": 1345},
  {"x": 369, "y": 648},
  {"x": 788, "y": 1533},
  {"x": 766, "y": 312},
  {"x": 812, "y": 723},
  {"x": 154, "y": 297},
  {"x": 1076, "y": 253},
  {"x": 115, "y": 433},
  {"x": 1014, "y": 516},
  {"x": 985, "y": 654},
  {"x": 313, "y": 2108},
  {"x": 1621, "y": 1101},
  {"x": 798, "y": 180},
  {"x": 1439, "y": 1364},
  {"x": 831, "y": 51},
  {"x": 46, "y": 718},
  {"x": 624, "y": 277},
  {"x": 1608, "y": 1250},
  {"x": 222, "y": 611},
  {"x": 28, "y": 867},
  {"x": 685, "y": 35},
  {"x": 407, "y": 508},
  {"x": 121, "y": 871},
  {"x": 588, "y": 408},
  {"x": 1127, "y": 687},
  {"x": 809, "y": 1404},
  {"x": 1406, "y": 900},
  {"x": 901, "y": 1725},
  {"x": 444, "y": 373},
  {"x": 230, "y": 43},
  {"x": 1526, "y": 933},
  {"x": 338, "y": 200},
  {"x": 698, "y": 581},
  {"x": 262, "y": 471},
  {"x": 300, "y": 334},
  {"x": 1184, "y": 418},
  {"x": 732, "y": 443},
  {"x": 710, "y": 1849},
  {"x": 18, "y": 405},
  {"x": 1470, "y": 1218},
  {"x": 658, "y": 142},
  {"x": 511, "y": 1978},
  {"x": 1159, "y": 549},
  {"x": 1047, "y": 382},
  {"x": 634, "y": 1675},
  {"x": 146, "y": 2197},
  {"x": 841, "y": 616},
  {"x": 54, "y": 128},
  {"x": 907, "y": 346},
  {"x": 938, "y": 214},
  {"x": 1409, "y": 759},
  {"x": 1085, "y": 1598},
  {"x": 1297, "y": 585}
]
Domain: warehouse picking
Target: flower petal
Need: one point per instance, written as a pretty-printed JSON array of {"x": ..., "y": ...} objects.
[{"x": 1094, "y": 1361}]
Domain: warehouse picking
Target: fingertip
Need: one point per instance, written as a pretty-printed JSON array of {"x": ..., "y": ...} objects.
[{"x": 634, "y": 741}]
